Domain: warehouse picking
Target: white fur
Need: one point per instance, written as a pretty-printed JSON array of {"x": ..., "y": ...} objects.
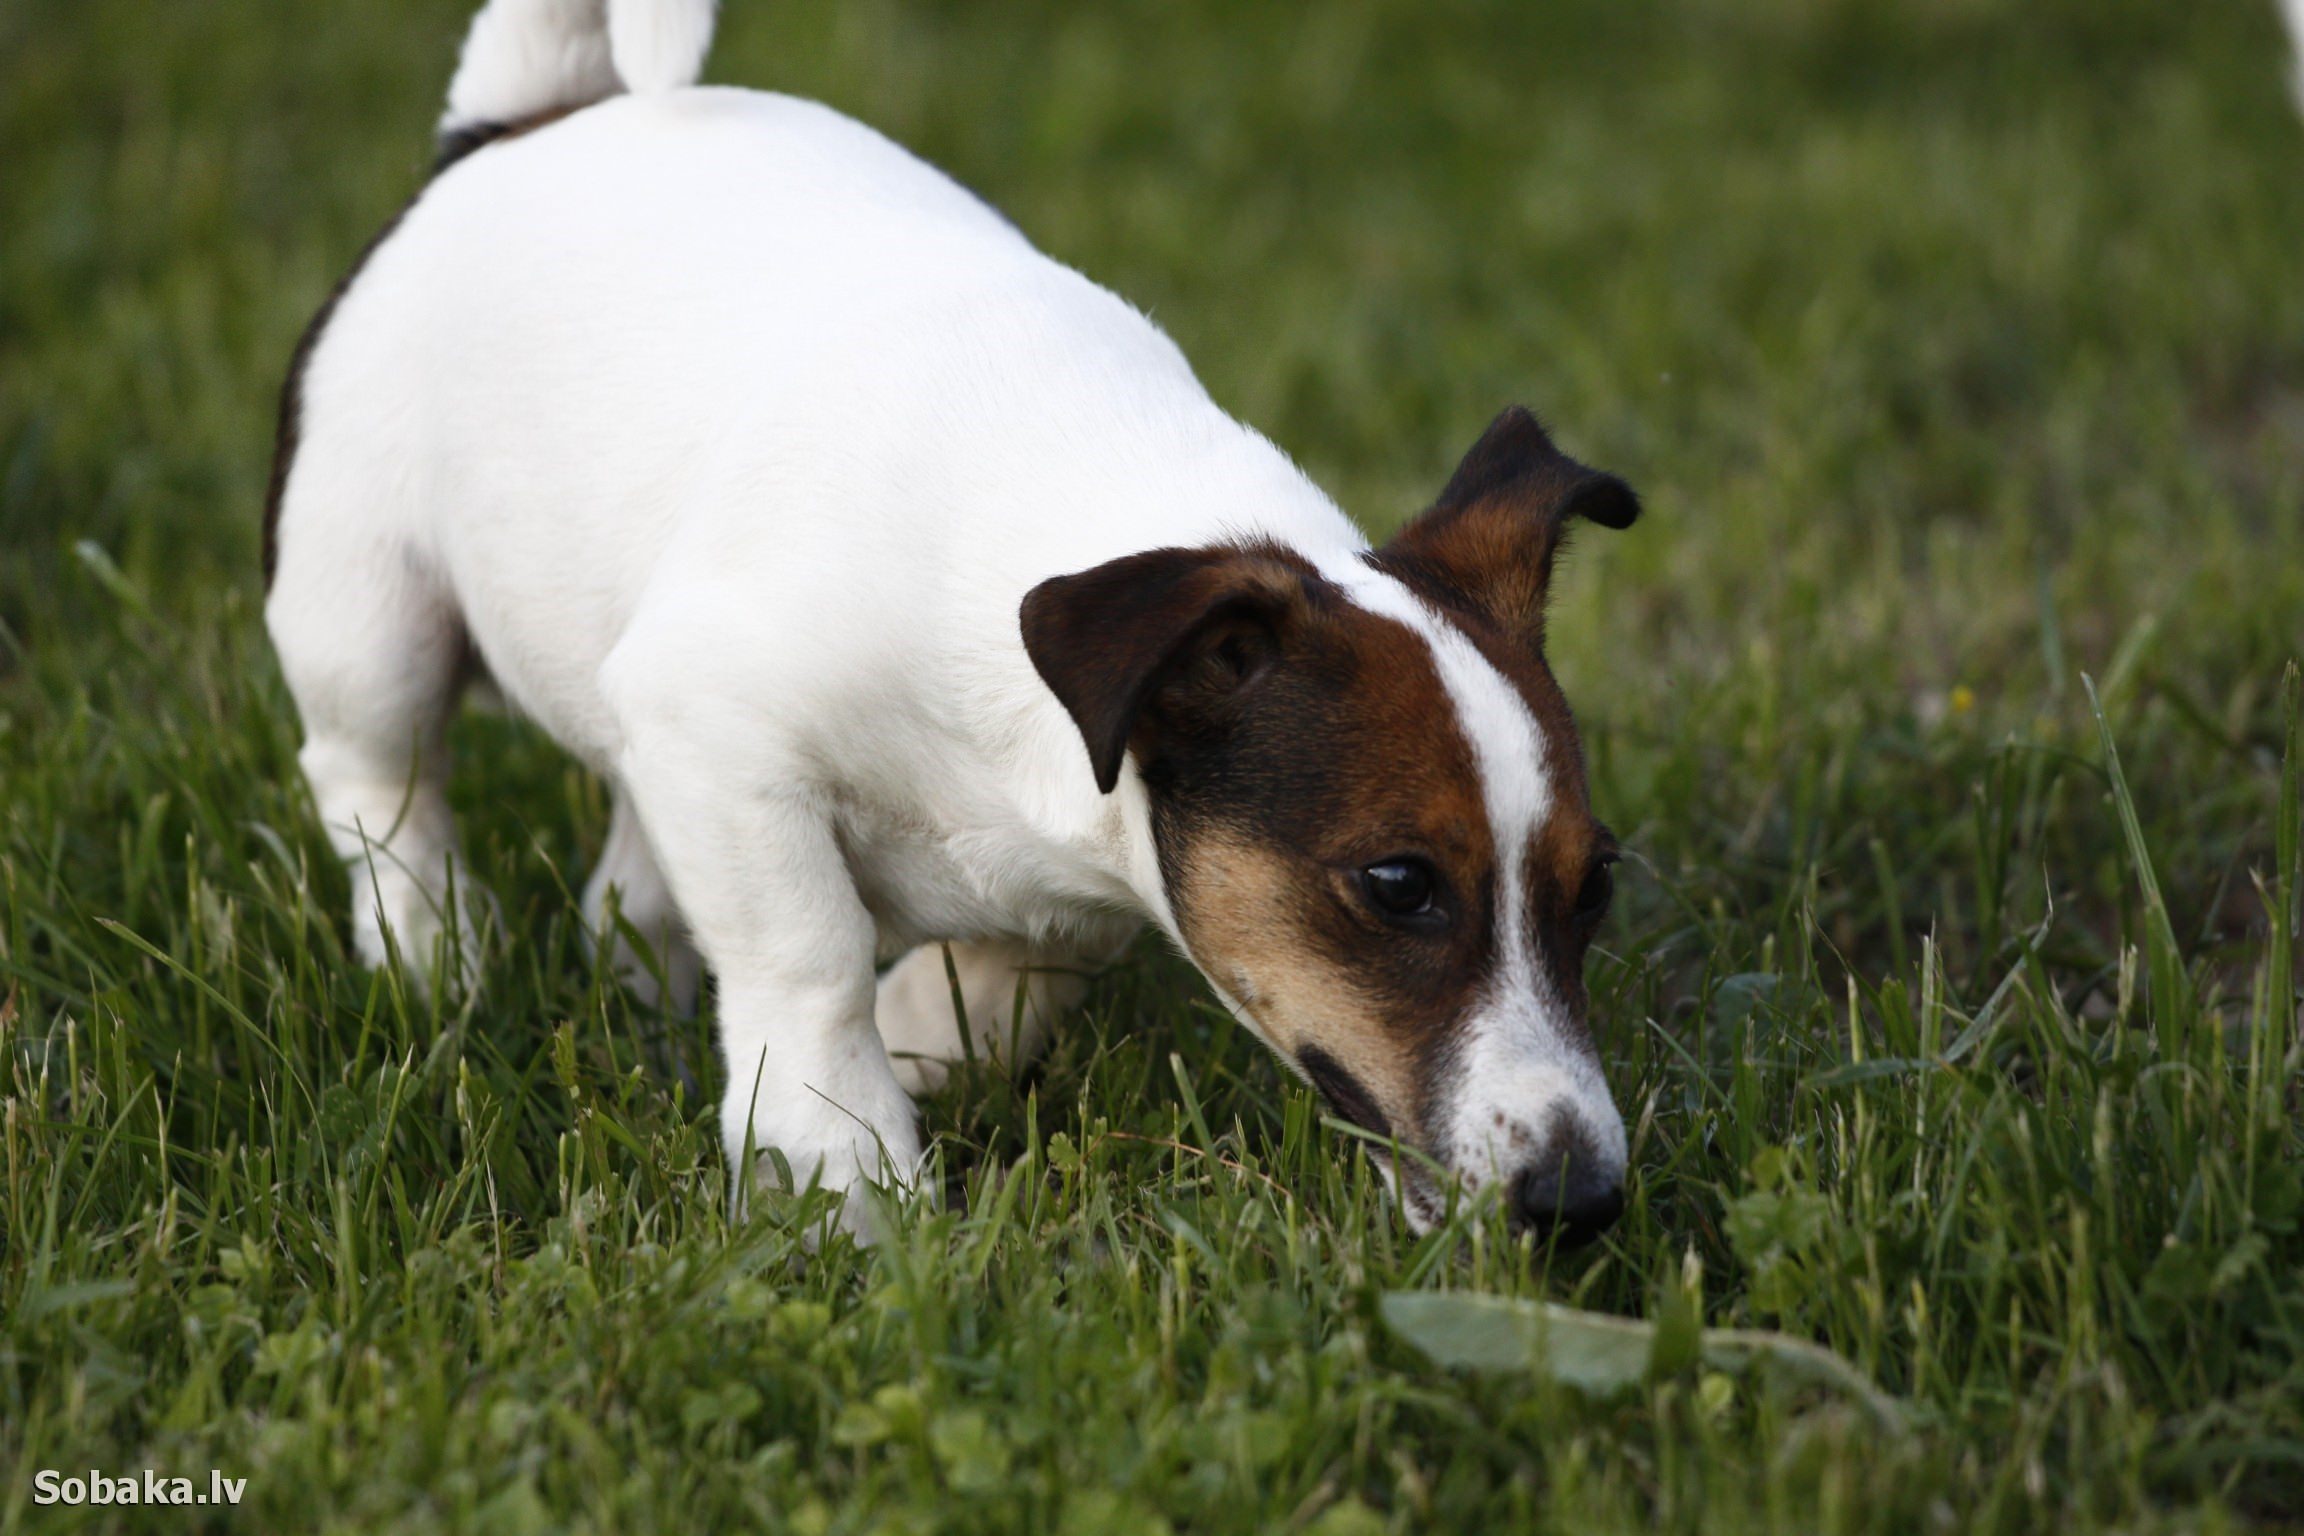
[
  {"x": 628, "y": 891},
  {"x": 659, "y": 45},
  {"x": 523, "y": 57},
  {"x": 1009, "y": 995},
  {"x": 731, "y": 436},
  {"x": 1520, "y": 1065}
]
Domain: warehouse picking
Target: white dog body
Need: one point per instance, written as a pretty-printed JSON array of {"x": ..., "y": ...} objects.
[
  {"x": 727, "y": 438},
  {"x": 720, "y": 395}
]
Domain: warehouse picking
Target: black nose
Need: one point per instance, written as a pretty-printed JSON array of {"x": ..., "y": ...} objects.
[{"x": 1565, "y": 1204}]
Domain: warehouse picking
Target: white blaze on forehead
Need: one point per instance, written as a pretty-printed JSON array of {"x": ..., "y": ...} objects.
[
  {"x": 1521, "y": 1060},
  {"x": 1507, "y": 742}
]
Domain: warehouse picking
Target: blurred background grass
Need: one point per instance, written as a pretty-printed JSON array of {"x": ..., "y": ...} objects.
[{"x": 1957, "y": 347}]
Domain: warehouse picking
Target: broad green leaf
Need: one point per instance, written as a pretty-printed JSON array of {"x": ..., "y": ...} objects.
[
  {"x": 1494, "y": 1333},
  {"x": 1599, "y": 1353}
]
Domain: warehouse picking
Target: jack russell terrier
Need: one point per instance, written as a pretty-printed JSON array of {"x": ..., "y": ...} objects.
[{"x": 911, "y": 592}]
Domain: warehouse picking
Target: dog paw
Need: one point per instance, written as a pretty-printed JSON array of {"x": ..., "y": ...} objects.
[
  {"x": 826, "y": 1147},
  {"x": 446, "y": 938}
]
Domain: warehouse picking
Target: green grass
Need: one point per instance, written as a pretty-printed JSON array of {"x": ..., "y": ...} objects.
[{"x": 1958, "y": 346}]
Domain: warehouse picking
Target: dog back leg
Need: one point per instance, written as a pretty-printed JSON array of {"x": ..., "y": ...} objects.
[
  {"x": 374, "y": 653},
  {"x": 1009, "y": 993},
  {"x": 627, "y": 898}
]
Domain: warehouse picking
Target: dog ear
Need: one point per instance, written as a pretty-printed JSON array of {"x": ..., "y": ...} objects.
[
  {"x": 1167, "y": 638},
  {"x": 1488, "y": 543}
]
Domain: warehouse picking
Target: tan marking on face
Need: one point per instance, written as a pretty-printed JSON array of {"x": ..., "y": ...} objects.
[
  {"x": 1560, "y": 855},
  {"x": 1252, "y": 917},
  {"x": 1348, "y": 753},
  {"x": 1292, "y": 730}
]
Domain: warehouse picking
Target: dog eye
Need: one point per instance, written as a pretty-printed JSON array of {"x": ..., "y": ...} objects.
[
  {"x": 1599, "y": 890},
  {"x": 1402, "y": 890}
]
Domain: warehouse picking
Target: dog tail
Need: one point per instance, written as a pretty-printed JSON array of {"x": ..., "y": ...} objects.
[{"x": 528, "y": 59}]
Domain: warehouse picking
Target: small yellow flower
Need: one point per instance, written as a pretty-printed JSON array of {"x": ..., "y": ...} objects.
[{"x": 1963, "y": 698}]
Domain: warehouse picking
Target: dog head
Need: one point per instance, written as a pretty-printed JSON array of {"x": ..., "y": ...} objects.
[{"x": 1369, "y": 806}]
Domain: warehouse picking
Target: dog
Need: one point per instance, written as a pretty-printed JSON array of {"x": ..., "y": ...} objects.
[{"x": 916, "y": 601}]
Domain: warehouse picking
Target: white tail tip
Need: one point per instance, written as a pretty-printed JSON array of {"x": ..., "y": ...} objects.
[
  {"x": 526, "y": 57},
  {"x": 659, "y": 45}
]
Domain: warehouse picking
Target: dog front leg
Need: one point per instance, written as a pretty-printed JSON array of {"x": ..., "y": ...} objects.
[{"x": 756, "y": 870}]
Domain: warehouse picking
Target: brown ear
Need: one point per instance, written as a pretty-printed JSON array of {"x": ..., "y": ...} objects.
[
  {"x": 1487, "y": 543},
  {"x": 1169, "y": 632}
]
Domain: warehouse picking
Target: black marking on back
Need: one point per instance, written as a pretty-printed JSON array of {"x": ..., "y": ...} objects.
[{"x": 456, "y": 143}]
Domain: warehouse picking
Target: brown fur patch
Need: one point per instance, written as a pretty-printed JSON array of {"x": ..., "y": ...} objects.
[
  {"x": 1289, "y": 738},
  {"x": 1268, "y": 802},
  {"x": 1483, "y": 554},
  {"x": 1488, "y": 544},
  {"x": 1571, "y": 840},
  {"x": 1252, "y": 917},
  {"x": 1189, "y": 625}
]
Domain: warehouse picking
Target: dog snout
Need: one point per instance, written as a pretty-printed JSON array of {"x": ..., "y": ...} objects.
[
  {"x": 1568, "y": 1193},
  {"x": 1557, "y": 1204}
]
